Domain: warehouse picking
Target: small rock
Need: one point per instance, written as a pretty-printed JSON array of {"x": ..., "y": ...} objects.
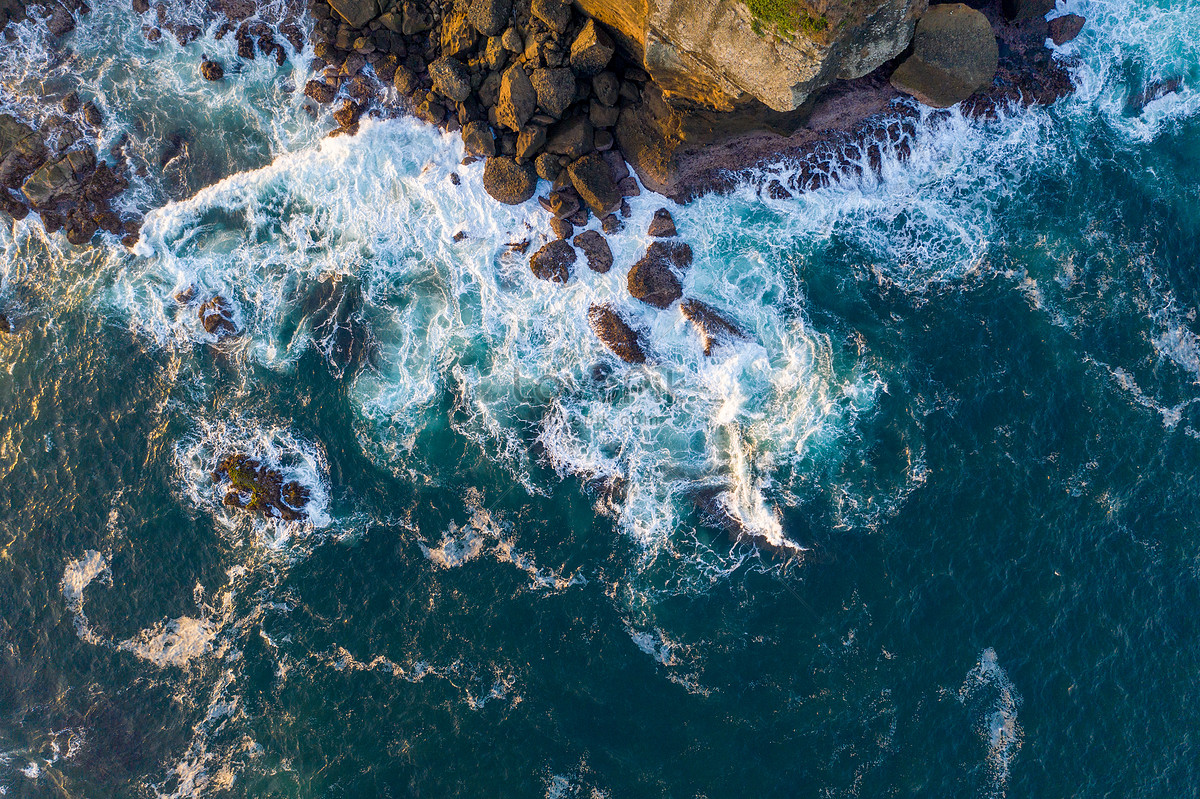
[
  {"x": 512, "y": 41},
  {"x": 1065, "y": 28},
  {"x": 217, "y": 317},
  {"x": 553, "y": 261},
  {"x": 530, "y": 141},
  {"x": 547, "y": 166},
  {"x": 92, "y": 115},
  {"x": 595, "y": 248},
  {"x": 348, "y": 113},
  {"x": 562, "y": 228},
  {"x": 320, "y": 91},
  {"x": 507, "y": 181},
  {"x": 455, "y": 179},
  {"x": 70, "y": 103},
  {"x": 662, "y": 226},
  {"x": 611, "y": 224},
  {"x": 211, "y": 70},
  {"x": 616, "y": 334},
  {"x": 605, "y": 86}
]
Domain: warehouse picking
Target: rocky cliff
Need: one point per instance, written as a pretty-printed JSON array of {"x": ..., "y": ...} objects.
[{"x": 734, "y": 54}]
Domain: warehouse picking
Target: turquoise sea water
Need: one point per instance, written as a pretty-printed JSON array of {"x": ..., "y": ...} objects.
[{"x": 971, "y": 395}]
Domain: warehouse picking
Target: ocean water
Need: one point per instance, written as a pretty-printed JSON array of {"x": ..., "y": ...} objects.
[{"x": 968, "y": 409}]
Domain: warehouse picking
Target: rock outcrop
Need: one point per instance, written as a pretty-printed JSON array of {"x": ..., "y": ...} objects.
[{"x": 616, "y": 334}]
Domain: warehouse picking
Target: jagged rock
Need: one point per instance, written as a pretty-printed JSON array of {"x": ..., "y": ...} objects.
[
  {"x": 616, "y": 334},
  {"x": 676, "y": 253},
  {"x": 431, "y": 111},
  {"x": 417, "y": 18},
  {"x": 356, "y": 13},
  {"x": 553, "y": 261},
  {"x": 517, "y": 99},
  {"x": 404, "y": 81},
  {"x": 92, "y": 115},
  {"x": 954, "y": 55},
  {"x": 562, "y": 204},
  {"x": 712, "y": 325},
  {"x": 61, "y": 22},
  {"x": 652, "y": 281},
  {"x": 494, "y": 54},
  {"x": 216, "y": 315},
  {"x": 320, "y": 91},
  {"x": 1065, "y": 28},
  {"x": 595, "y": 248},
  {"x": 80, "y": 227},
  {"x": 592, "y": 178},
  {"x": 592, "y": 49},
  {"x": 572, "y": 138},
  {"x": 59, "y": 179},
  {"x": 555, "y": 89},
  {"x": 1155, "y": 90},
  {"x": 477, "y": 137},
  {"x": 530, "y": 141},
  {"x": 458, "y": 35},
  {"x": 489, "y": 16},
  {"x": 450, "y": 78},
  {"x": 603, "y": 116},
  {"x": 628, "y": 187},
  {"x": 508, "y": 181},
  {"x": 555, "y": 13},
  {"x": 662, "y": 225},
  {"x": 211, "y": 70},
  {"x": 512, "y": 41},
  {"x": 611, "y": 224},
  {"x": 259, "y": 489}
]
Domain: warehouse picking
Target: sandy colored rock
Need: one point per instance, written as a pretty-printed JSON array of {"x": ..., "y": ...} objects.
[
  {"x": 517, "y": 100},
  {"x": 508, "y": 181}
]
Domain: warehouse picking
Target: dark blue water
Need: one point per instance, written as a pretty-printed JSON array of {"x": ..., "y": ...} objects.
[{"x": 971, "y": 395}]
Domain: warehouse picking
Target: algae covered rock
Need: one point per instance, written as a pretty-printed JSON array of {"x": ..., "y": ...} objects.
[{"x": 256, "y": 488}]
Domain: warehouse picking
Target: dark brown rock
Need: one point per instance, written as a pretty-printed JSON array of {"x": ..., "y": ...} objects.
[
  {"x": 616, "y": 334},
  {"x": 1065, "y": 28},
  {"x": 508, "y": 181},
  {"x": 595, "y": 248},
  {"x": 592, "y": 179},
  {"x": 356, "y": 13},
  {"x": 562, "y": 228},
  {"x": 477, "y": 136},
  {"x": 555, "y": 89},
  {"x": 547, "y": 166},
  {"x": 592, "y": 49},
  {"x": 572, "y": 138},
  {"x": 675, "y": 253},
  {"x": 216, "y": 315},
  {"x": 713, "y": 326},
  {"x": 530, "y": 142},
  {"x": 553, "y": 261},
  {"x": 954, "y": 55},
  {"x": 556, "y": 14},
  {"x": 320, "y": 91},
  {"x": 489, "y": 17},
  {"x": 652, "y": 281},
  {"x": 605, "y": 86},
  {"x": 662, "y": 225},
  {"x": 450, "y": 78}
]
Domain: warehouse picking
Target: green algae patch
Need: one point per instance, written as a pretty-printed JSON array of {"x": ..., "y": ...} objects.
[
  {"x": 786, "y": 17},
  {"x": 256, "y": 488}
]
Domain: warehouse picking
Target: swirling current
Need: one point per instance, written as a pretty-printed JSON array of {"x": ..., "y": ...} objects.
[{"x": 969, "y": 406}]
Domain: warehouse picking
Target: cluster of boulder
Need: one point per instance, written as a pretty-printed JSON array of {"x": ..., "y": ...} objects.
[{"x": 256, "y": 488}]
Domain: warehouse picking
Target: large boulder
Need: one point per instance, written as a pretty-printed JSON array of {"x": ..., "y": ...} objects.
[
  {"x": 450, "y": 78},
  {"x": 954, "y": 55},
  {"x": 216, "y": 315},
  {"x": 356, "y": 13},
  {"x": 652, "y": 281},
  {"x": 616, "y": 334},
  {"x": 458, "y": 35},
  {"x": 553, "y": 261},
  {"x": 517, "y": 100},
  {"x": 662, "y": 226},
  {"x": 555, "y": 90},
  {"x": 592, "y": 179},
  {"x": 56, "y": 180},
  {"x": 489, "y": 17},
  {"x": 508, "y": 181},
  {"x": 1065, "y": 28},
  {"x": 555, "y": 13},
  {"x": 478, "y": 139},
  {"x": 573, "y": 138}
]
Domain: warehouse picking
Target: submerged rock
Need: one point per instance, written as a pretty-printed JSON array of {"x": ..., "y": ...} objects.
[
  {"x": 954, "y": 55},
  {"x": 712, "y": 325},
  {"x": 260, "y": 489},
  {"x": 553, "y": 261},
  {"x": 618, "y": 336},
  {"x": 1065, "y": 28},
  {"x": 217, "y": 317}
]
